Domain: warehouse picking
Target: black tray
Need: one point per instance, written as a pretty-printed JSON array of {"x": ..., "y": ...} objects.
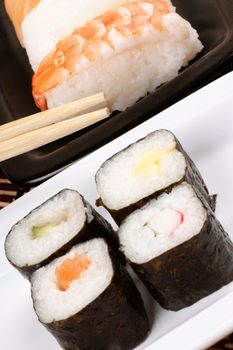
[{"x": 213, "y": 20}]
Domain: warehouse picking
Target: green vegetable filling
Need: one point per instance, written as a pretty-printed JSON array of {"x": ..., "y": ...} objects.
[{"x": 39, "y": 231}]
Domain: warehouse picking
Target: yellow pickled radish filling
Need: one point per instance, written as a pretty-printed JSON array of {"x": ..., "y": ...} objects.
[
  {"x": 150, "y": 161},
  {"x": 71, "y": 270}
]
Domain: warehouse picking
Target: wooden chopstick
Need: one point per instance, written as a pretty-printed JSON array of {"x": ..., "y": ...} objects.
[
  {"x": 37, "y": 138},
  {"x": 54, "y": 115}
]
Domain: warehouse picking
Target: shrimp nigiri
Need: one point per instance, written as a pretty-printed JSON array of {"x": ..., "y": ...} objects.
[
  {"x": 40, "y": 24},
  {"x": 17, "y": 11},
  {"x": 126, "y": 53}
]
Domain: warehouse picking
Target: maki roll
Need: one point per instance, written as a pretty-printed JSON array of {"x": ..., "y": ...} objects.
[
  {"x": 87, "y": 300},
  {"x": 143, "y": 170},
  {"x": 178, "y": 248},
  {"x": 51, "y": 230}
]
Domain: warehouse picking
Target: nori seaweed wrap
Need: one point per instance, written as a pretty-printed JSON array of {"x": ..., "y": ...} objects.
[
  {"x": 52, "y": 229},
  {"x": 178, "y": 248},
  {"x": 144, "y": 170},
  {"x": 114, "y": 317}
]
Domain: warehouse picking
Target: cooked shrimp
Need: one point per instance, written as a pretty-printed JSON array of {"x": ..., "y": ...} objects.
[
  {"x": 126, "y": 52},
  {"x": 96, "y": 38}
]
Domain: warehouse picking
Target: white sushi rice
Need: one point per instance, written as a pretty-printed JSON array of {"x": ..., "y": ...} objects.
[
  {"x": 52, "y": 304},
  {"x": 117, "y": 184},
  {"x": 136, "y": 66},
  {"x": 162, "y": 224},
  {"x": 65, "y": 211},
  {"x": 51, "y": 20}
]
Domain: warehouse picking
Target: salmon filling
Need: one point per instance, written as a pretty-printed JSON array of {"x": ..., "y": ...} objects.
[{"x": 70, "y": 270}]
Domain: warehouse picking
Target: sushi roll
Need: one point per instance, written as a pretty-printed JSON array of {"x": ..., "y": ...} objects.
[
  {"x": 178, "y": 248},
  {"x": 40, "y": 24},
  {"x": 126, "y": 52},
  {"x": 87, "y": 300},
  {"x": 140, "y": 172},
  {"x": 51, "y": 230}
]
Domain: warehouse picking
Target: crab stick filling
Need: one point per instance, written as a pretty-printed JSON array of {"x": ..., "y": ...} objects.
[
  {"x": 162, "y": 224},
  {"x": 71, "y": 270},
  {"x": 166, "y": 222}
]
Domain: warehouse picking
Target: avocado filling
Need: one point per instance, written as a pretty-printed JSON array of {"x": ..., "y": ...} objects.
[{"x": 39, "y": 231}]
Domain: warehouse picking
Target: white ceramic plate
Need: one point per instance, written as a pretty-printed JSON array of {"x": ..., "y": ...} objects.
[{"x": 203, "y": 122}]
